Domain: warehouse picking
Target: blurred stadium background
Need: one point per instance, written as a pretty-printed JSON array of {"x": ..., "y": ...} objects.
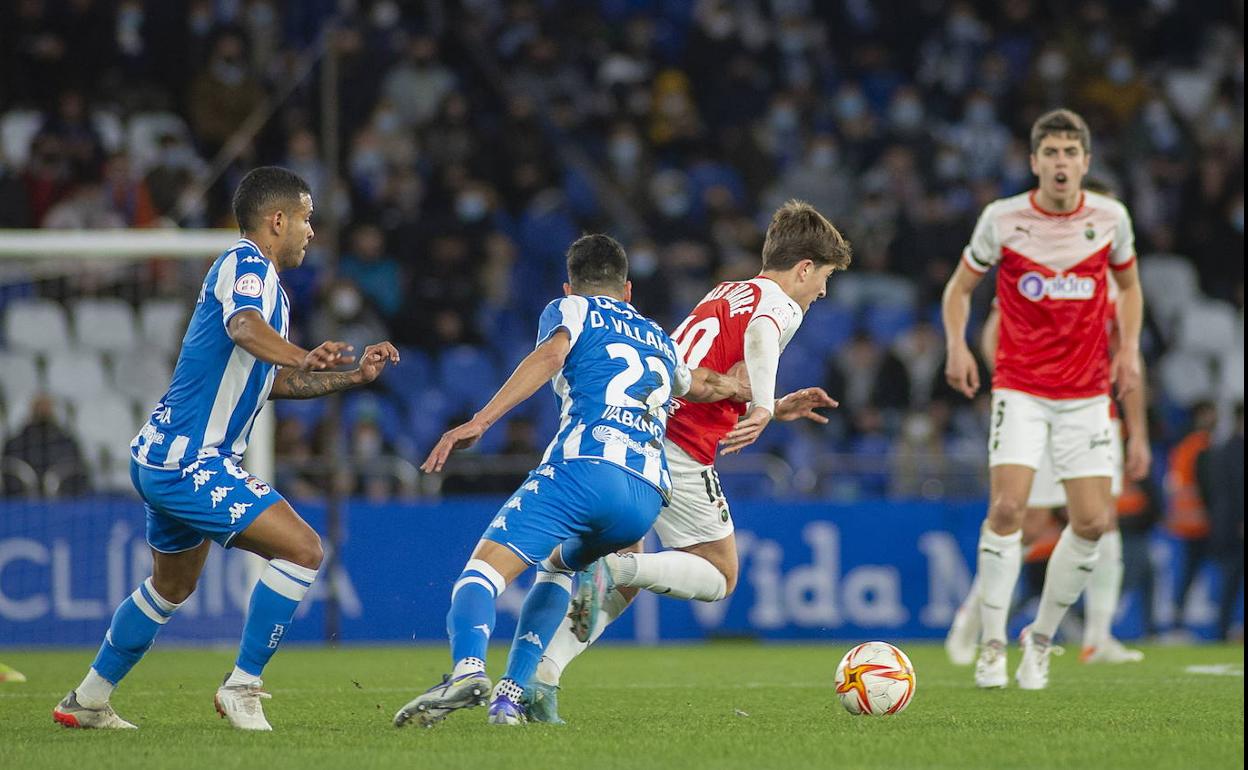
[{"x": 455, "y": 149}]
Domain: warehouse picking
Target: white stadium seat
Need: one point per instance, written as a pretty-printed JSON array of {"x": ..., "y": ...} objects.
[
  {"x": 1187, "y": 377},
  {"x": 76, "y": 376},
  {"x": 1208, "y": 326},
  {"x": 17, "y": 131},
  {"x": 104, "y": 427},
  {"x": 35, "y": 324},
  {"x": 142, "y": 376},
  {"x": 1231, "y": 375},
  {"x": 19, "y": 377},
  {"x": 162, "y": 323},
  {"x": 104, "y": 324},
  {"x": 1170, "y": 284}
]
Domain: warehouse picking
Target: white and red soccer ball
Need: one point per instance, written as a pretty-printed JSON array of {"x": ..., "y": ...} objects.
[{"x": 875, "y": 678}]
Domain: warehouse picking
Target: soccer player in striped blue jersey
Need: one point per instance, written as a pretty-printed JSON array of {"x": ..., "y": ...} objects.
[
  {"x": 598, "y": 488},
  {"x": 185, "y": 462}
]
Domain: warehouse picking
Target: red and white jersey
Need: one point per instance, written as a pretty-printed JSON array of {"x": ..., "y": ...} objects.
[
  {"x": 1052, "y": 290},
  {"x": 713, "y": 336}
]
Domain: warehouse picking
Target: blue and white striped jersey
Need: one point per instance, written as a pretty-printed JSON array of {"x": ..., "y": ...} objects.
[
  {"x": 616, "y": 386},
  {"x": 218, "y": 388}
]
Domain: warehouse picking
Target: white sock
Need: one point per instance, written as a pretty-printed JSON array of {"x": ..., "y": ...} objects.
[
  {"x": 240, "y": 678},
  {"x": 94, "y": 691},
  {"x": 998, "y": 563},
  {"x": 671, "y": 573},
  {"x": 565, "y": 646},
  {"x": 1100, "y": 598},
  {"x": 1069, "y": 568},
  {"x": 971, "y": 602},
  {"x": 467, "y": 666}
]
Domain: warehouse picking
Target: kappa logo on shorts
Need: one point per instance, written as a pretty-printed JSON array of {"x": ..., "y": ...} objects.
[
  {"x": 530, "y": 486},
  {"x": 546, "y": 471},
  {"x": 235, "y": 471},
  {"x": 513, "y": 503},
  {"x": 201, "y": 476},
  {"x": 257, "y": 487},
  {"x": 500, "y": 522},
  {"x": 218, "y": 494},
  {"x": 238, "y": 511}
]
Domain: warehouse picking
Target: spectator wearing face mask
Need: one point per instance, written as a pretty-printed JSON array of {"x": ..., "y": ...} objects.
[
  {"x": 369, "y": 267},
  {"x": 223, "y": 94}
]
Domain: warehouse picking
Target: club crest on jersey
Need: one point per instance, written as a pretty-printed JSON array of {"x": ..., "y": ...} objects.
[
  {"x": 1036, "y": 286},
  {"x": 249, "y": 285}
]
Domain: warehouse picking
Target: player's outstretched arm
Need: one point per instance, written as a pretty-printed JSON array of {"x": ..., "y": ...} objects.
[
  {"x": 299, "y": 383},
  {"x": 803, "y": 403},
  {"x": 531, "y": 373},
  {"x": 961, "y": 372},
  {"x": 710, "y": 385},
  {"x": 252, "y": 333}
]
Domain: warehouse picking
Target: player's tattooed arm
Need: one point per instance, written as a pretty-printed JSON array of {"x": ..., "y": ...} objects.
[
  {"x": 300, "y": 383},
  {"x": 252, "y": 333}
]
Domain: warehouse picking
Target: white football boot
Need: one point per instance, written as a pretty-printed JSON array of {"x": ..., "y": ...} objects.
[
  {"x": 70, "y": 713},
  {"x": 241, "y": 705},
  {"x": 1033, "y": 670},
  {"x": 990, "y": 671},
  {"x": 465, "y": 691},
  {"x": 963, "y": 634},
  {"x": 1110, "y": 651}
]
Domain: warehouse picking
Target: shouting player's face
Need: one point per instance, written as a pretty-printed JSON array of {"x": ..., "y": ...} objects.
[
  {"x": 1060, "y": 163},
  {"x": 296, "y": 232},
  {"x": 812, "y": 283}
]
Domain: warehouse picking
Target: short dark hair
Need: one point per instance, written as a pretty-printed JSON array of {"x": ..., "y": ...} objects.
[
  {"x": 797, "y": 231},
  {"x": 597, "y": 262},
  {"x": 1060, "y": 122},
  {"x": 263, "y": 188}
]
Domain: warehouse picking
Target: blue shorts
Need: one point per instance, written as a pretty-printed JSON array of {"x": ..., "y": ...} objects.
[
  {"x": 596, "y": 504},
  {"x": 211, "y": 497}
]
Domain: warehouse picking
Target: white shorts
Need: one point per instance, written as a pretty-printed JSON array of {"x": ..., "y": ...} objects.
[
  {"x": 1075, "y": 433},
  {"x": 1048, "y": 492},
  {"x": 698, "y": 512}
]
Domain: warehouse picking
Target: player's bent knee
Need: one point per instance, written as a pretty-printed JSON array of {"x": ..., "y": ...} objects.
[
  {"x": 174, "y": 591},
  {"x": 307, "y": 552},
  {"x": 1089, "y": 530},
  {"x": 730, "y": 578},
  {"x": 1005, "y": 515}
]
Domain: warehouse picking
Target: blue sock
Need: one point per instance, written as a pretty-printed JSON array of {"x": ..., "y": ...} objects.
[
  {"x": 274, "y": 600},
  {"x": 471, "y": 618},
  {"x": 135, "y": 624},
  {"x": 543, "y": 611}
]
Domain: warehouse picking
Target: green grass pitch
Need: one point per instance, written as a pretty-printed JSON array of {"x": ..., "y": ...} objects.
[{"x": 731, "y": 705}]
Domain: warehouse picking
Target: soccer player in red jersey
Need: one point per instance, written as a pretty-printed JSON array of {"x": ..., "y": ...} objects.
[
  {"x": 738, "y": 323},
  {"x": 1055, "y": 248}
]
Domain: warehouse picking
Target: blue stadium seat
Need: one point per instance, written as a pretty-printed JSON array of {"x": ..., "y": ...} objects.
[
  {"x": 801, "y": 366},
  {"x": 886, "y": 323},
  {"x": 467, "y": 376},
  {"x": 827, "y": 327},
  {"x": 306, "y": 411},
  {"x": 408, "y": 377},
  {"x": 365, "y": 405}
]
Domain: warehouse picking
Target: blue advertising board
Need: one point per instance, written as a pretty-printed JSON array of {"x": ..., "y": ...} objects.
[{"x": 809, "y": 571}]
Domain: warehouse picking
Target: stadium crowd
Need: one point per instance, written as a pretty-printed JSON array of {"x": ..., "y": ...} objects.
[{"x": 480, "y": 138}]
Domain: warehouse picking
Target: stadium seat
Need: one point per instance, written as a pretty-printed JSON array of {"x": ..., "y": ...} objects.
[
  {"x": 467, "y": 376},
  {"x": 1231, "y": 375},
  {"x": 886, "y": 322},
  {"x": 104, "y": 324},
  {"x": 801, "y": 366},
  {"x": 405, "y": 378},
  {"x": 1207, "y": 326},
  {"x": 162, "y": 323},
  {"x": 19, "y": 378},
  {"x": 36, "y": 324},
  {"x": 1186, "y": 377},
  {"x": 362, "y": 405},
  {"x": 139, "y": 375},
  {"x": 827, "y": 327},
  {"x": 76, "y": 376},
  {"x": 427, "y": 421},
  {"x": 306, "y": 411},
  {"x": 17, "y": 130},
  {"x": 104, "y": 427},
  {"x": 143, "y": 133},
  {"x": 1170, "y": 284}
]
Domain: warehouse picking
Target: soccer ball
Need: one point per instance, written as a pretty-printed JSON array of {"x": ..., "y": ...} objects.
[{"x": 875, "y": 678}]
